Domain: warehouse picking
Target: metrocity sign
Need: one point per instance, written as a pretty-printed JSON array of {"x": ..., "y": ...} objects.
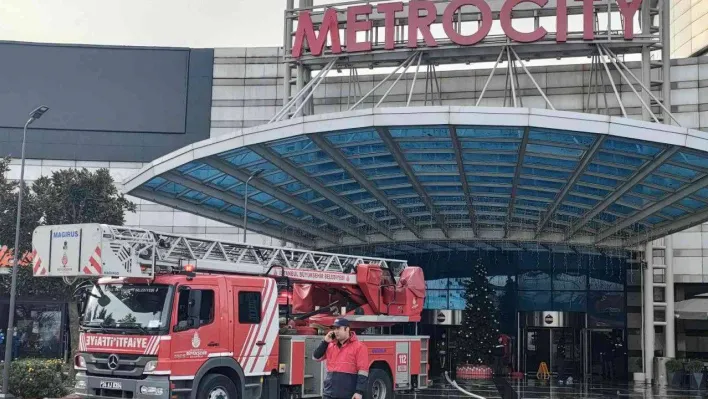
[{"x": 357, "y": 20}]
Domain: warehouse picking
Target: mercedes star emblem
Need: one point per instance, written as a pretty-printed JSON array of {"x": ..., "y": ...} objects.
[{"x": 113, "y": 362}]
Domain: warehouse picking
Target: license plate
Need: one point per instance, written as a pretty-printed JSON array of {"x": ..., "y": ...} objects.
[{"x": 111, "y": 385}]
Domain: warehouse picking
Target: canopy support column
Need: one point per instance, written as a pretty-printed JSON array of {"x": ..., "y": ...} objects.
[
  {"x": 648, "y": 290},
  {"x": 670, "y": 330}
]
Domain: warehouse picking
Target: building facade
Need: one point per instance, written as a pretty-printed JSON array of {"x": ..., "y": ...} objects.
[
  {"x": 689, "y": 28},
  {"x": 128, "y": 109}
]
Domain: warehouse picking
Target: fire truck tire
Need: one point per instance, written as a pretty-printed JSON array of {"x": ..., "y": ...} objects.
[
  {"x": 379, "y": 385},
  {"x": 217, "y": 386}
]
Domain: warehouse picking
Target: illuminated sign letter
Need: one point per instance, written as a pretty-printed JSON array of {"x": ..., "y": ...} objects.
[
  {"x": 588, "y": 24},
  {"x": 628, "y": 10},
  {"x": 416, "y": 23},
  {"x": 511, "y": 32},
  {"x": 354, "y": 26},
  {"x": 561, "y": 21},
  {"x": 389, "y": 10},
  {"x": 306, "y": 32},
  {"x": 485, "y": 24}
]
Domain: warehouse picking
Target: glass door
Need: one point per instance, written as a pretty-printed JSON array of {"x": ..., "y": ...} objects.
[
  {"x": 537, "y": 349},
  {"x": 566, "y": 352},
  {"x": 599, "y": 352}
]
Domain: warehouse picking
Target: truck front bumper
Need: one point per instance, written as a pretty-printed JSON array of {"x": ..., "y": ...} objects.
[{"x": 152, "y": 387}]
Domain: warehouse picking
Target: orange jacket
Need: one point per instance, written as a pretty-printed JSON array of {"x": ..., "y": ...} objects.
[{"x": 347, "y": 367}]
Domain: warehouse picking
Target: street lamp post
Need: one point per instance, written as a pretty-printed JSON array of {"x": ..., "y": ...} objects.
[
  {"x": 245, "y": 202},
  {"x": 34, "y": 115}
]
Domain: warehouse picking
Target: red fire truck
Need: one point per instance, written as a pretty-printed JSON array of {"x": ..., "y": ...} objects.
[{"x": 169, "y": 316}]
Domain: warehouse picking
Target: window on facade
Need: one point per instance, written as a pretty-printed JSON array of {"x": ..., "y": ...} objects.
[
  {"x": 436, "y": 299},
  {"x": 570, "y": 301},
  {"x": 249, "y": 307},
  {"x": 457, "y": 300},
  {"x": 534, "y": 300},
  {"x": 569, "y": 280},
  {"x": 40, "y": 328},
  {"x": 535, "y": 280}
]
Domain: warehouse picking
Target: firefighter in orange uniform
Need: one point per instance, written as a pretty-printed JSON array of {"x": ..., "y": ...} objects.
[{"x": 347, "y": 363}]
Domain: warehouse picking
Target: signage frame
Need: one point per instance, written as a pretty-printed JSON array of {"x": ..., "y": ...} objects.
[{"x": 376, "y": 50}]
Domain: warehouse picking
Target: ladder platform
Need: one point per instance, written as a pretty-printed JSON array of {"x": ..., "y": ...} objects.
[{"x": 100, "y": 250}]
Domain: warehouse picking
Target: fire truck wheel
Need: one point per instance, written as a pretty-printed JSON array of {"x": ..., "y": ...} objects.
[
  {"x": 217, "y": 386},
  {"x": 380, "y": 385}
]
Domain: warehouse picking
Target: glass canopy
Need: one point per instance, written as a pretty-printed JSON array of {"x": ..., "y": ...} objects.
[{"x": 486, "y": 185}]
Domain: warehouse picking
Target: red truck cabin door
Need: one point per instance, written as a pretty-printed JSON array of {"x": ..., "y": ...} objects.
[
  {"x": 256, "y": 324},
  {"x": 196, "y": 333}
]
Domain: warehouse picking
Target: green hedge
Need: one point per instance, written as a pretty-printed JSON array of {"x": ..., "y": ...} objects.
[
  {"x": 674, "y": 365},
  {"x": 694, "y": 366},
  {"x": 38, "y": 378}
]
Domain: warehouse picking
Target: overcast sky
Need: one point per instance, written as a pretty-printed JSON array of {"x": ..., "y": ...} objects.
[
  {"x": 169, "y": 23},
  {"x": 188, "y": 23}
]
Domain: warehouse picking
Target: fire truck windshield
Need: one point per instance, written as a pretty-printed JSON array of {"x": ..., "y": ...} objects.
[{"x": 139, "y": 309}]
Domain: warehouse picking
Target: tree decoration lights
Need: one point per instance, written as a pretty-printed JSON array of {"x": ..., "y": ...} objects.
[{"x": 480, "y": 327}]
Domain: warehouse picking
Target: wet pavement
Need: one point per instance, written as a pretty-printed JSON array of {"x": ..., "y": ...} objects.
[{"x": 501, "y": 388}]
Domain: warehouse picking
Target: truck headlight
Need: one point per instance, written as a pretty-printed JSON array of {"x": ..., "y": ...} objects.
[
  {"x": 151, "y": 391},
  {"x": 80, "y": 384},
  {"x": 80, "y": 362},
  {"x": 150, "y": 366}
]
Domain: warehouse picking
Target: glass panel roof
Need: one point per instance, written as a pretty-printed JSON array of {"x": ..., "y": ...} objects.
[{"x": 547, "y": 176}]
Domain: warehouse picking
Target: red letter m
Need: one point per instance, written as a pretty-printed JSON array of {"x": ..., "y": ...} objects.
[{"x": 316, "y": 43}]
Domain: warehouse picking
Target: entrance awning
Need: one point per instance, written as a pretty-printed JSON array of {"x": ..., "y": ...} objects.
[
  {"x": 692, "y": 309},
  {"x": 445, "y": 175}
]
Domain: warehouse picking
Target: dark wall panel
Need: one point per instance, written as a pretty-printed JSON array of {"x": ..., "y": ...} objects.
[{"x": 107, "y": 103}]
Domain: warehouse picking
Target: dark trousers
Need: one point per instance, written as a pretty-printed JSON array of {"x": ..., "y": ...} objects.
[
  {"x": 608, "y": 369},
  {"x": 498, "y": 365},
  {"x": 561, "y": 368}
]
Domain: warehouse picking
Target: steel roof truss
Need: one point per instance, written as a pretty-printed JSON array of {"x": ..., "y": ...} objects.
[
  {"x": 230, "y": 198},
  {"x": 342, "y": 161},
  {"x": 640, "y": 175},
  {"x": 517, "y": 176},
  {"x": 311, "y": 182},
  {"x": 669, "y": 228},
  {"x": 679, "y": 195}
]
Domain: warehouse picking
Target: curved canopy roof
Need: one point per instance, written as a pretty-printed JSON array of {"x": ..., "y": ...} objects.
[{"x": 467, "y": 176}]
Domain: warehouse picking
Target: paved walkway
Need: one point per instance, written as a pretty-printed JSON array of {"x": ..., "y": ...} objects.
[{"x": 501, "y": 388}]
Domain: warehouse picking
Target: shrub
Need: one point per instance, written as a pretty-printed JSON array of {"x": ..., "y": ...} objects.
[
  {"x": 37, "y": 378},
  {"x": 694, "y": 366},
  {"x": 674, "y": 365}
]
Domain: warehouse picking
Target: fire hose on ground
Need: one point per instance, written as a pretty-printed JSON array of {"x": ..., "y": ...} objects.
[{"x": 454, "y": 384}]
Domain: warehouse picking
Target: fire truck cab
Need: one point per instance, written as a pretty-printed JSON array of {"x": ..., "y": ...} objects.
[{"x": 169, "y": 316}]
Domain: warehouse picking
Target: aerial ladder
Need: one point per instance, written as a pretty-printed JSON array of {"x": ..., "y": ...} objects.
[{"x": 323, "y": 285}]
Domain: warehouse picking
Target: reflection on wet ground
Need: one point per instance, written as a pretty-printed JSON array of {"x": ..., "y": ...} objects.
[{"x": 501, "y": 388}]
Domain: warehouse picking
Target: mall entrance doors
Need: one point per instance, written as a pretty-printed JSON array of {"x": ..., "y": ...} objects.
[
  {"x": 441, "y": 326},
  {"x": 561, "y": 341},
  {"x": 553, "y": 338},
  {"x": 559, "y": 348}
]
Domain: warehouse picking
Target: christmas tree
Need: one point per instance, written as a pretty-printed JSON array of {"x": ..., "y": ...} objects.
[{"x": 479, "y": 331}]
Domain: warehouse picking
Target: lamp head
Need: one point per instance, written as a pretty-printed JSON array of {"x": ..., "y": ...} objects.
[
  {"x": 256, "y": 173},
  {"x": 38, "y": 112}
]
